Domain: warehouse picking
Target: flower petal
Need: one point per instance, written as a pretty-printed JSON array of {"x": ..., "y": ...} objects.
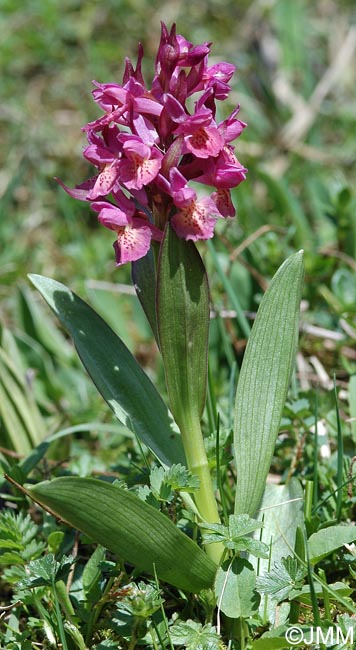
[
  {"x": 205, "y": 142},
  {"x": 222, "y": 200},
  {"x": 105, "y": 182},
  {"x": 195, "y": 221},
  {"x": 135, "y": 172},
  {"x": 81, "y": 191},
  {"x": 133, "y": 241},
  {"x": 109, "y": 215}
]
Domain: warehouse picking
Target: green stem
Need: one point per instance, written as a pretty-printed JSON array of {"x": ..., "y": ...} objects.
[
  {"x": 97, "y": 609},
  {"x": 62, "y": 635},
  {"x": 197, "y": 461}
]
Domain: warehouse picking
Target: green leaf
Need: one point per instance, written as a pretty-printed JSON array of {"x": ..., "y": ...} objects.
[
  {"x": 133, "y": 530},
  {"x": 235, "y": 588},
  {"x": 352, "y": 405},
  {"x": 22, "y": 399},
  {"x": 194, "y": 636},
  {"x": 115, "y": 372},
  {"x": 282, "y": 579},
  {"x": 335, "y": 591},
  {"x": 38, "y": 324},
  {"x": 264, "y": 382},
  {"x": 183, "y": 325},
  {"x": 235, "y": 536},
  {"x": 180, "y": 478},
  {"x": 46, "y": 571},
  {"x": 327, "y": 540},
  {"x": 92, "y": 574},
  {"x": 281, "y": 512},
  {"x": 144, "y": 280}
]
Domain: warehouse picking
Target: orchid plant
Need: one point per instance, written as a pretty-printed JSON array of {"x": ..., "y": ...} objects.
[{"x": 153, "y": 148}]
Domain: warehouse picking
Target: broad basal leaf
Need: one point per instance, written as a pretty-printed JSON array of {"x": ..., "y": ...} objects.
[
  {"x": 264, "y": 380},
  {"x": 135, "y": 531},
  {"x": 235, "y": 588},
  {"x": 281, "y": 512},
  {"x": 115, "y": 372}
]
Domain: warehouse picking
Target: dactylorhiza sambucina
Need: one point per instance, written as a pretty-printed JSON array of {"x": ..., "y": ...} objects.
[{"x": 148, "y": 146}]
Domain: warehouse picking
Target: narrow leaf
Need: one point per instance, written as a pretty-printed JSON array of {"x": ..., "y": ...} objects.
[
  {"x": 183, "y": 324},
  {"x": 115, "y": 372},
  {"x": 130, "y": 528},
  {"x": 264, "y": 382},
  {"x": 15, "y": 431}
]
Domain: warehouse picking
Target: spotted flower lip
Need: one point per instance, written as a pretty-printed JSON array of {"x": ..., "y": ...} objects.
[
  {"x": 196, "y": 219},
  {"x": 150, "y": 143}
]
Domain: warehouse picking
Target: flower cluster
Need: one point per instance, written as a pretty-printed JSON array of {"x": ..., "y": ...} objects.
[{"x": 149, "y": 144}]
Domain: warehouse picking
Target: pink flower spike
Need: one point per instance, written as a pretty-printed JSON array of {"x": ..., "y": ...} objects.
[
  {"x": 133, "y": 241},
  {"x": 195, "y": 221},
  {"x": 153, "y": 143}
]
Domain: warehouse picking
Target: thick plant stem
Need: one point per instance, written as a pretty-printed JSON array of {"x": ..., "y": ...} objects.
[{"x": 197, "y": 461}]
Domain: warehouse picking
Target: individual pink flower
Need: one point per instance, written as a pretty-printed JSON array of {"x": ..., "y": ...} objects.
[
  {"x": 133, "y": 241},
  {"x": 202, "y": 137},
  {"x": 140, "y": 165},
  {"x": 195, "y": 220},
  {"x": 231, "y": 128},
  {"x": 202, "y": 140},
  {"x": 223, "y": 172},
  {"x": 134, "y": 233}
]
